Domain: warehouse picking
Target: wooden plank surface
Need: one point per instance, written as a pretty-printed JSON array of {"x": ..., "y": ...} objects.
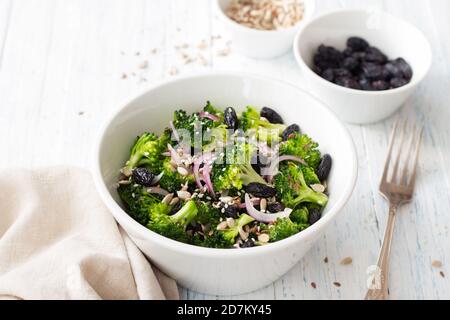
[{"x": 64, "y": 66}]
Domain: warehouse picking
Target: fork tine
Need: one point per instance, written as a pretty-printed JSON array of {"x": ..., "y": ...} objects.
[
  {"x": 409, "y": 154},
  {"x": 413, "y": 176},
  {"x": 389, "y": 153},
  {"x": 399, "y": 153}
]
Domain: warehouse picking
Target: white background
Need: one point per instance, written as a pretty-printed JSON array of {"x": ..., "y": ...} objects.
[{"x": 61, "y": 66}]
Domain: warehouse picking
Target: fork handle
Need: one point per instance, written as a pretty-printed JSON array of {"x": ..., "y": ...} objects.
[{"x": 379, "y": 290}]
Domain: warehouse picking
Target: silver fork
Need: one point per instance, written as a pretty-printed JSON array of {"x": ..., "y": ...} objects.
[{"x": 397, "y": 190}]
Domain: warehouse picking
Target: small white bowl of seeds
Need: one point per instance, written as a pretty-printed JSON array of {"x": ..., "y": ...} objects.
[{"x": 264, "y": 29}]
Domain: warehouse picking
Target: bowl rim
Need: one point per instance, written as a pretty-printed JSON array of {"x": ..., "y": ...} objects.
[
  {"x": 183, "y": 248},
  {"x": 414, "y": 81},
  {"x": 310, "y": 13}
]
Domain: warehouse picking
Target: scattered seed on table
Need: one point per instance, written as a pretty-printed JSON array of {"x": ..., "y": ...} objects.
[
  {"x": 123, "y": 76},
  {"x": 337, "y": 284},
  {"x": 325, "y": 259},
  {"x": 442, "y": 274},
  {"x": 143, "y": 64},
  {"x": 154, "y": 51},
  {"x": 137, "y": 53},
  {"x": 436, "y": 264},
  {"x": 173, "y": 71},
  {"x": 346, "y": 261},
  {"x": 224, "y": 52},
  {"x": 313, "y": 284},
  {"x": 202, "y": 45},
  {"x": 80, "y": 113}
]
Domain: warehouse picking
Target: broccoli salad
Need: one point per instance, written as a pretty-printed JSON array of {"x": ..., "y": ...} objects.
[{"x": 219, "y": 179}]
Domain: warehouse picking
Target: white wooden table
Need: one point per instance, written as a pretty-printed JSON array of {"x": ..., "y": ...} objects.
[{"x": 64, "y": 65}]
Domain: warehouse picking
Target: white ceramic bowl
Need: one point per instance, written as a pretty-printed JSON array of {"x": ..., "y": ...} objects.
[
  {"x": 222, "y": 271},
  {"x": 393, "y": 36},
  {"x": 261, "y": 44}
]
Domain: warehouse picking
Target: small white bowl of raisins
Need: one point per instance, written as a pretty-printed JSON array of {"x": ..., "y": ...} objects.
[{"x": 363, "y": 64}]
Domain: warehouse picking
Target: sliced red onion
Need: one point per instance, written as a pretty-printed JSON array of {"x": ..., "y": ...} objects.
[
  {"x": 158, "y": 190},
  {"x": 174, "y": 131},
  {"x": 271, "y": 171},
  {"x": 206, "y": 157},
  {"x": 208, "y": 115},
  {"x": 255, "y": 201},
  {"x": 174, "y": 154},
  {"x": 264, "y": 217},
  {"x": 207, "y": 178},
  {"x": 157, "y": 178},
  {"x": 196, "y": 169}
]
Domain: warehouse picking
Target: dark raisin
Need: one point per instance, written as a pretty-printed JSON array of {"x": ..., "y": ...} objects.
[
  {"x": 275, "y": 207},
  {"x": 375, "y": 55},
  {"x": 340, "y": 72},
  {"x": 380, "y": 85},
  {"x": 260, "y": 190},
  {"x": 348, "y": 52},
  {"x": 357, "y": 44},
  {"x": 314, "y": 215},
  {"x": 231, "y": 211},
  {"x": 328, "y": 75},
  {"x": 398, "y": 82},
  {"x": 330, "y": 53},
  {"x": 143, "y": 177},
  {"x": 271, "y": 115},
  {"x": 321, "y": 64},
  {"x": 324, "y": 167},
  {"x": 248, "y": 244},
  {"x": 348, "y": 82},
  {"x": 317, "y": 69},
  {"x": 365, "y": 84},
  {"x": 230, "y": 118},
  {"x": 393, "y": 70},
  {"x": 350, "y": 63},
  {"x": 404, "y": 67},
  {"x": 360, "y": 56},
  {"x": 290, "y": 131},
  {"x": 372, "y": 71}
]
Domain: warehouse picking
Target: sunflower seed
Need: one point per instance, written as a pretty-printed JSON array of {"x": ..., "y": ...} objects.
[
  {"x": 184, "y": 195},
  {"x": 264, "y": 238},
  {"x": 183, "y": 171},
  {"x": 222, "y": 226},
  {"x": 230, "y": 222},
  {"x": 174, "y": 201},
  {"x": 167, "y": 198},
  {"x": 318, "y": 187}
]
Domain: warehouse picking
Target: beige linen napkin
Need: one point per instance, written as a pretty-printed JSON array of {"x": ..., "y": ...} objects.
[{"x": 58, "y": 241}]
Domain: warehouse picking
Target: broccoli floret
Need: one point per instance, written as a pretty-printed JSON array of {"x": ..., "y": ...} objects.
[
  {"x": 215, "y": 240},
  {"x": 213, "y": 137},
  {"x": 300, "y": 216},
  {"x": 207, "y": 214},
  {"x": 236, "y": 170},
  {"x": 172, "y": 179},
  {"x": 139, "y": 203},
  {"x": 213, "y": 110},
  {"x": 251, "y": 120},
  {"x": 231, "y": 233},
  {"x": 281, "y": 229},
  {"x": 174, "y": 226},
  {"x": 301, "y": 145},
  {"x": 224, "y": 238},
  {"x": 194, "y": 125},
  {"x": 147, "y": 151},
  {"x": 310, "y": 175},
  {"x": 293, "y": 190}
]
